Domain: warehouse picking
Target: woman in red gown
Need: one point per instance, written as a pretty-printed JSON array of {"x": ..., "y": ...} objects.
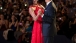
[{"x": 36, "y": 10}]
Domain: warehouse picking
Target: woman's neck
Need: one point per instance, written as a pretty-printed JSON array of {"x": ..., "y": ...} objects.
[{"x": 35, "y": 4}]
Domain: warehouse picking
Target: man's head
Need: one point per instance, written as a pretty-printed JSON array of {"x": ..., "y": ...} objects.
[{"x": 47, "y": 0}]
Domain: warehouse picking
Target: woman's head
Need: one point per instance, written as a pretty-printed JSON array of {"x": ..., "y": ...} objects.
[
  {"x": 27, "y": 23},
  {"x": 13, "y": 18},
  {"x": 2, "y": 16},
  {"x": 35, "y": 1}
]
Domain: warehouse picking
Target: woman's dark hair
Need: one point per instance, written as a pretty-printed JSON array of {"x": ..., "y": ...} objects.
[
  {"x": 39, "y": 1},
  {"x": 26, "y": 21},
  {"x": 10, "y": 36},
  {"x": 42, "y": 2},
  {"x": 19, "y": 27}
]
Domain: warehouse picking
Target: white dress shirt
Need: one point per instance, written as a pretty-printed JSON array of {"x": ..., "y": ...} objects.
[
  {"x": 48, "y": 2},
  {"x": 52, "y": 4}
]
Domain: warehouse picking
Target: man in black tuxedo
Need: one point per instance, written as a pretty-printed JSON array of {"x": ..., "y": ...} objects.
[{"x": 48, "y": 25}]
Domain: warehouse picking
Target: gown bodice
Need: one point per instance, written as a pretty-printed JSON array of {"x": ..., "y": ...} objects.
[{"x": 36, "y": 8}]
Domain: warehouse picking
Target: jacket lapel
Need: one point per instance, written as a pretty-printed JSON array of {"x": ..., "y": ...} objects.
[{"x": 47, "y": 5}]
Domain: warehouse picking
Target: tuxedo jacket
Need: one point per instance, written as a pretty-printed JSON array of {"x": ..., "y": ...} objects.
[
  {"x": 49, "y": 21},
  {"x": 49, "y": 14}
]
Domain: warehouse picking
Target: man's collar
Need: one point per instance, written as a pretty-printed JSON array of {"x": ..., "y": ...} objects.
[{"x": 48, "y": 2}]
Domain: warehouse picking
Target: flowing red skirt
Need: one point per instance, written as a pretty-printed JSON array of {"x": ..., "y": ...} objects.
[{"x": 37, "y": 33}]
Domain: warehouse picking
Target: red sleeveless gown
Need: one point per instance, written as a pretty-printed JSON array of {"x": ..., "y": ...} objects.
[{"x": 37, "y": 28}]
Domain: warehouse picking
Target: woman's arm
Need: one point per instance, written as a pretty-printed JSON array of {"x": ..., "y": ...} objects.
[
  {"x": 10, "y": 24},
  {"x": 35, "y": 17},
  {"x": 16, "y": 23}
]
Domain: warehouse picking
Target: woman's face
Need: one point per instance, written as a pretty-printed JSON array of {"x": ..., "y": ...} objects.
[
  {"x": 27, "y": 23},
  {"x": 2, "y": 17},
  {"x": 13, "y": 17},
  {"x": 35, "y": 1}
]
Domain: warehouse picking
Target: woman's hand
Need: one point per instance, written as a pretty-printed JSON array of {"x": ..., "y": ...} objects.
[{"x": 39, "y": 12}]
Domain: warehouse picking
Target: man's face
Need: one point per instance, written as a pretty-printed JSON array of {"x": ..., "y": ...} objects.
[{"x": 47, "y": 1}]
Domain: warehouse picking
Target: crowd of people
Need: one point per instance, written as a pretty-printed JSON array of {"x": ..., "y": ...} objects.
[
  {"x": 66, "y": 18},
  {"x": 15, "y": 19}
]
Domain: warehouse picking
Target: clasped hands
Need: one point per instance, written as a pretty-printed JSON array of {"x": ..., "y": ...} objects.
[{"x": 39, "y": 12}]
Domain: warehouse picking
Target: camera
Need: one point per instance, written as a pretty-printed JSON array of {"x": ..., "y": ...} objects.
[
  {"x": 1, "y": 8},
  {"x": 60, "y": 18},
  {"x": 25, "y": 4}
]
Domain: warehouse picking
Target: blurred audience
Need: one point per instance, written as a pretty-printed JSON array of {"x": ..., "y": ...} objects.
[
  {"x": 74, "y": 38},
  {"x": 14, "y": 16}
]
